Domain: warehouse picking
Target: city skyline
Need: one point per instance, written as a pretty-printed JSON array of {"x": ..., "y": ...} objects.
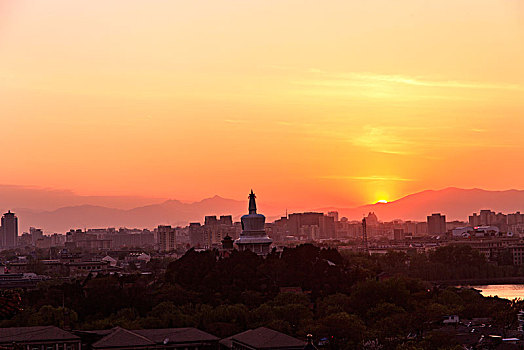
[
  {"x": 296, "y": 98},
  {"x": 457, "y": 204}
]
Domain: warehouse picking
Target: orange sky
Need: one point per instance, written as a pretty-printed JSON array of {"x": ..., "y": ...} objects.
[{"x": 310, "y": 102}]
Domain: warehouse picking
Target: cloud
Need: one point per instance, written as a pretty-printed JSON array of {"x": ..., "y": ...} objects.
[
  {"x": 367, "y": 178},
  {"x": 285, "y": 123},
  {"x": 383, "y": 140},
  {"x": 391, "y": 86},
  {"x": 236, "y": 121},
  {"x": 416, "y": 81},
  {"x": 370, "y": 79}
]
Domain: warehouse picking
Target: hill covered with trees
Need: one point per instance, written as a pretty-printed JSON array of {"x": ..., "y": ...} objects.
[{"x": 340, "y": 298}]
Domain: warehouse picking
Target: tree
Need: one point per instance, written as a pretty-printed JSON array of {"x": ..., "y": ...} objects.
[
  {"x": 341, "y": 328},
  {"x": 53, "y": 316}
]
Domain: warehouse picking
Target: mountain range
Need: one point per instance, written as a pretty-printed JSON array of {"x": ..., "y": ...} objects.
[
  {"x": 455, "y": 203},
  {"x": 170, "y": 212}
]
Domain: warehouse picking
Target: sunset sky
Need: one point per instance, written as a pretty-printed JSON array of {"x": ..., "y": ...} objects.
[{"x": 311, "y": 102}]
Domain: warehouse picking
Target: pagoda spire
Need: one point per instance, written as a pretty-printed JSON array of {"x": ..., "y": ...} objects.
[{"x": 252, "y": 203}]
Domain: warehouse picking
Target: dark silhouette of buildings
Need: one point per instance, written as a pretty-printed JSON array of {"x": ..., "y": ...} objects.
[
  {"x": 398, "y": 234},
  {"x": 39, "y": 337},
  {"x": 309, "y": 226},
  {"x": 486, "y": 217},
  {"x": 168, "y": 338},
  {"x": 372, "y": 219},
  {"x": 51, "y": 337},
  {"x": 166, "y": 238},
  {"x": 196, "y": 231},
  {"x": 261, "y": 338},
  {"x": 212, "y": 232},
  {"x": 9, "y": 230},
  {"x": 436, "y": 224}
]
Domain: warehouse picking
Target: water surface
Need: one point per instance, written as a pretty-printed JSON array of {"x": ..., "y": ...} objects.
[{"x": 506, "y": 291}]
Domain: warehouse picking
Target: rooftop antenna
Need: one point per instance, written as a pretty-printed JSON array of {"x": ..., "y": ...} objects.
[{"x": 365, "y": 236}]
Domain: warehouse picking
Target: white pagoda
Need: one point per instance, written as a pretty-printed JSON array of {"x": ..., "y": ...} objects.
[{"x": 253, "y": 236}]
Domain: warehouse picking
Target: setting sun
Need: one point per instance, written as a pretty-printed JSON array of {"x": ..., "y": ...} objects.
[{"x": 203, "y": 87}]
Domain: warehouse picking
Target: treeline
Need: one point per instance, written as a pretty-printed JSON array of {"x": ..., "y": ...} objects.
[
  {"x": 337, "y": 297},
  {"x": 453, "y": 262}
]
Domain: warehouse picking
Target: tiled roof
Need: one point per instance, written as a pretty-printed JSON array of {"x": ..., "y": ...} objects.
[
  {"x": 176, "y": 335},
  {"x": 228, "y": 342},
  {"x": 265, "y": 338},
  {"x": 121, "y": 337},
  {"x": 32, "y": 334}
]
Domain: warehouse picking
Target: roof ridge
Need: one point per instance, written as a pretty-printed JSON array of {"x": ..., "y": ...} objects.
[
  {"x": 273, "y": 336},
  {"x": 138, "y": 335},
  {"x": 117, "y": 329},
  {"x": 110, "y": 335},
  {"x": 34, "y": 329}
]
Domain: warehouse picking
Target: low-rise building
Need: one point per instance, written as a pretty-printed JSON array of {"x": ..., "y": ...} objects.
[
  {"x": 38, "y": 338},
  {"x": 261, "y": 338},
  {"x": 168, "y": 338}
]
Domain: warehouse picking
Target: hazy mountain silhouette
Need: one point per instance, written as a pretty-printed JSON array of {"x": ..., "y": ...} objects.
[
  {"x": 455, "y": 203},
  {"x": 171, "y": 212},
  {"x": 37, "y": 198}
]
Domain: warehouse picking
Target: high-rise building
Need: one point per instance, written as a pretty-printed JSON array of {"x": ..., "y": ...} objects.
[
  {"x": 210, "y": 220},
  {"x": 216, "y": 229},
  {"x": 311, "y": 226},
  {"x": 436, "y": 224},
  {"x": 398, "y": 234},
  {"x": 333, "y": 214},
  {"x": 196, "y": 233},
  {"x": 166, "y": 238},
  {"x": 36, "y": 234},
  {"x": 9, "y": 230},
  {"x": 515, "y": 218},
  {"x": 489, "y": 218},
  {"x": 253, "y": 236},
  {"x": 372, "y": 219}
]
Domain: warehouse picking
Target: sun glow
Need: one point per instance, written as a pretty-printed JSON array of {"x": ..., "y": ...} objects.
[
  {"x": 383, "y": 201},
  {"x": 202, "y": 72}
]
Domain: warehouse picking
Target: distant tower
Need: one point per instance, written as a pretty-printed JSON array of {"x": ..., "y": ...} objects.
[
  {"x": 9, "y": 230},
  {"x": 253, "y": 236},
  {"x": 227, "y": 243},
  {"x": 365, "y": 235},
  {"x": 372, "y": 219}
]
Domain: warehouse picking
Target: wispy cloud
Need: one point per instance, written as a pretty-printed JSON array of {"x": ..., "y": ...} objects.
[
  {"x": 394, "y": 86},
  {"x": 285, "y": 123},
  {"x": 367, "y": 178},
  {"x": 383, "y": 140},
  {"x": 371, "y": 79},
  {"x": 418, "y": 81},
  {"x": 236, "y": 121}
]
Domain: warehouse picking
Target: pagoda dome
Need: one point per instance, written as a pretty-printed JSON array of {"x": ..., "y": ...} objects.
[{"x": 253, "y": 222}]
